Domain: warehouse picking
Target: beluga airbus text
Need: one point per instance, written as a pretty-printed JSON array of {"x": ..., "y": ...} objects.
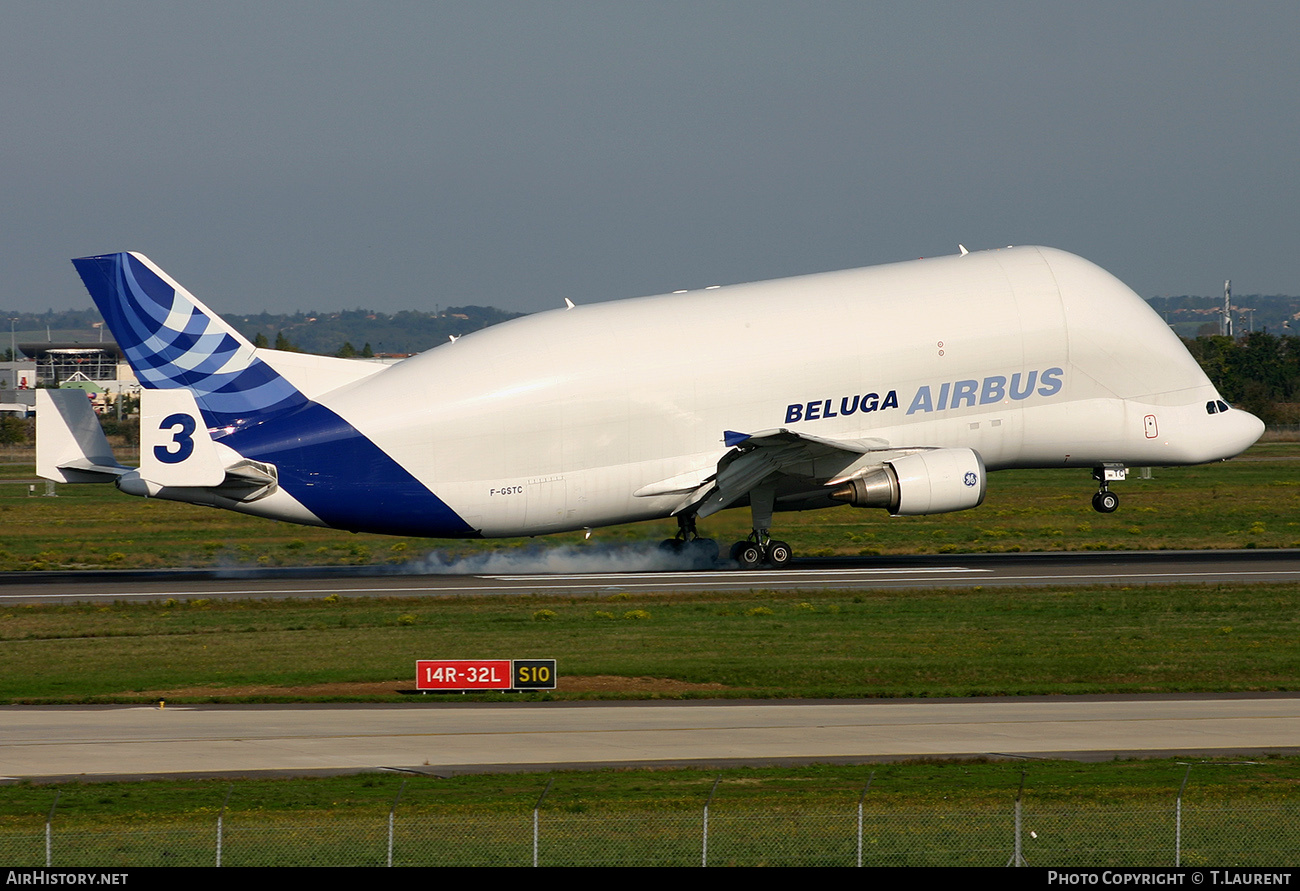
[{"x": 899, "y": 387}]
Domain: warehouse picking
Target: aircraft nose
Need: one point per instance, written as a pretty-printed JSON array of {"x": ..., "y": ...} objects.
[{"x": 1243, "y": 432}]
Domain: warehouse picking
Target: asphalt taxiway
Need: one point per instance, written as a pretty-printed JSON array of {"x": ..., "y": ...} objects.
[{"x": 137, "y": 742}]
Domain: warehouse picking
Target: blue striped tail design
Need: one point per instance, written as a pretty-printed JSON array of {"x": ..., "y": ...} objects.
[{"x": 172, "y": 340}]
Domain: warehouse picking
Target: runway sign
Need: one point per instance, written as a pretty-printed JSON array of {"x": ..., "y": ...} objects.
[{"x": 464, "y": 675}]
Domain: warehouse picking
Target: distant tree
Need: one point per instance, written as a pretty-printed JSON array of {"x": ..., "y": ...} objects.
[
  {"x": 12, "y": 431},
  {"x": 260, "y": 341},
  {"x": 367, "y": 352},
  {"x": 127, "y": 428},
  {"x": 347, "y": 351},
  {"x": 283, "y": 343},
  {"x": 408, "y": 330},
  {"x": 1259, "y": 372}
]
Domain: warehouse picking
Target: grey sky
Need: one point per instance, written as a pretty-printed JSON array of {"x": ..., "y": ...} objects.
[{"x": 397, "y": 156}]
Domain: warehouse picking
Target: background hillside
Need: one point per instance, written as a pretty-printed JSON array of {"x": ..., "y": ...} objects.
[
  {"x": 409, "y": 331},
  {"x": 1259, "y": 370}
]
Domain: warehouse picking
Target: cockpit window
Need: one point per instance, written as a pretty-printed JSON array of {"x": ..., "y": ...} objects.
[
  {"x": 1210, "y": 407},
  {"x": 1223, "y": 406}
]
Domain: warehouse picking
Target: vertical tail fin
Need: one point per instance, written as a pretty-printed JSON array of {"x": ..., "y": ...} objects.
[{"x": 173, "y": 341}]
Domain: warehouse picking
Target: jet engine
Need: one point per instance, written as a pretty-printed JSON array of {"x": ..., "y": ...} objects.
[{"x": 933, "y": 481}]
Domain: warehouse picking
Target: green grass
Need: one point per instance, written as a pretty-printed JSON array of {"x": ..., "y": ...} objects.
[
  {"x": 919, "y": 813},
  {"x": 896, "y": 786},
  {"x": 890, "y": 643},
  {"x": 1248, "y": 502}
]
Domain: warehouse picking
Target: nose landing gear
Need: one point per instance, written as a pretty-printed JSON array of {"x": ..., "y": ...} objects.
[{"x": 1106, "y": 501}]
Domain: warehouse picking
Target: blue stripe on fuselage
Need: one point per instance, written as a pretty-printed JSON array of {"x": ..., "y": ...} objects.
[{"x": 344, "y": 478}]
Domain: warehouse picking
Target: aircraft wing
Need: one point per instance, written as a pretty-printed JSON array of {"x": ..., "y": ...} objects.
[{"x": 783, "y": 458}]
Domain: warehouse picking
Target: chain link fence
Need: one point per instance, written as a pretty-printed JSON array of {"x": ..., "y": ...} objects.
[{"x": 1044, "y": 836}]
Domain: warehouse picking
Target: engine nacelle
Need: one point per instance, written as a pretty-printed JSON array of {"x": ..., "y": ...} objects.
[{"x": 934, "y": 481}]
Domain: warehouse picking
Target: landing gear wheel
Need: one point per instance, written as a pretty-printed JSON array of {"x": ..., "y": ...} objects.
[
  {"x": 748, "y": 554},
  {"x": 1105, "y": 502},
  {"x": 779, "y": 554},
  {"x": 704, "y": 550}
]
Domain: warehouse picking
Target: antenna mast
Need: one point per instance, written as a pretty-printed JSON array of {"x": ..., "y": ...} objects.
[{"x": 1226, "y": 327}]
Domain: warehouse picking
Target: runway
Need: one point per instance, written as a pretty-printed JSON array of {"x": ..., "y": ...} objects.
[
  {"x": 431, "y": 736},
  {"x": 136, "y": 742},
  {"x": 964, "y": 570}
]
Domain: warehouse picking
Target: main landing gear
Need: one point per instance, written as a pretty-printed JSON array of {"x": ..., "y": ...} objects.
[
  {"x": 757, "y": 550},
  {"x": 1106, "y": 501},
  {"x": 761, "y": 548},
  {"x": 687, "y": 542}
]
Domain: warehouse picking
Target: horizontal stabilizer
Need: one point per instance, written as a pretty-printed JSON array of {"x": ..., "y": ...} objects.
[
  {"x": 175, "y": 448},
  {"x": 180, "y": 461},
  {"x": 70, "y": 444}
]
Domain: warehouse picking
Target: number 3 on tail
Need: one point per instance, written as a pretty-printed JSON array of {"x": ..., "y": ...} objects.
[{"x": 182, "y": 444}]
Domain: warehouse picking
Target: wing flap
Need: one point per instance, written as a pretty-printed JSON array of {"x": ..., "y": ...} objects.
[{"x": 781, "y": 456}]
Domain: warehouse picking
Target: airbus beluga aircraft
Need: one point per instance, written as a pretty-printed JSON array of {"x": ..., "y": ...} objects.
[{"x": 897, "y": 387}]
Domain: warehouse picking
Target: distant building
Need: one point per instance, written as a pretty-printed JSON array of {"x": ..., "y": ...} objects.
[
  {"x": 98, "y": 367},
  {"x": 58, "y": 361},
  {"x": 20, "y": 403},
  {"x": 18, "y": 375}
]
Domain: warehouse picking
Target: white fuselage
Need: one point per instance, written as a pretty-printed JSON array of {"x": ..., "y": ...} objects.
[{"x": 1030, "y": 356}]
